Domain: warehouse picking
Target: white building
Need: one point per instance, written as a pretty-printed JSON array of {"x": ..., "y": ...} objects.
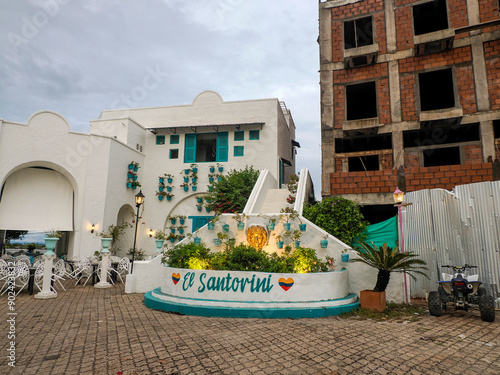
[{"x": 54, "y": 178}]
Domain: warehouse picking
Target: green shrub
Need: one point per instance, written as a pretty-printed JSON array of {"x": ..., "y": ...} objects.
[
  {"x": 231, "y": 193},
  {"x": 244, "y": 258},
  {"x": 338, "y": 216}
]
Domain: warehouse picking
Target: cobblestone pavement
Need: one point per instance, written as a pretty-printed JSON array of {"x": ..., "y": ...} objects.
[{"x": 105, "y": 331}]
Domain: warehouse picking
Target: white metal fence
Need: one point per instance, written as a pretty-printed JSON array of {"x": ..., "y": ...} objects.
[{"x": 458, "y": 227}]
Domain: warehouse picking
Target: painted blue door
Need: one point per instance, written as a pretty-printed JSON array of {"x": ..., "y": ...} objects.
[{"x": 199, "y": 221}]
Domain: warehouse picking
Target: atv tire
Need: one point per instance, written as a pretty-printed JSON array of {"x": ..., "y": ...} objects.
[
  {"x": 481, "y": 291},
  {"x": 487, "y": 308},
  {"x": 435, "y": 304},
  {"x": 444, "y": 296}
]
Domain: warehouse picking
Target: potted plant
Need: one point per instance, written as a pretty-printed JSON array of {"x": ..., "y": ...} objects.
[
  {"x": 240, "y": 219},
  {"x": 169, "y": 188},
  {"x": 169, "y": 177},
  {"x": 172, "y": 218},
  {"x": 181, "y": 229},
  {"x": 194, "y": 186},
  {"x": 344, "y": 255},
  {"x": 294, "y": 236},
  {"x": 225, "y": 227},
  {"x": 385, "y": 260},
  {"x": 324, "y": 242},
  {"x": 135, "y": 184},
  {"x": 169, "y": 196},
  {"x": 171, "y": 237},
  {"x": 135, "y": 166},
  {"x": 220, "y": 167},
  {"x": 279, "y": 241},
  {"x": 194, "y": 168},
  {"x": 221, "y": 236},
  {"x": 185, "y": 186},
  {"x": 211, "y": 223},
  {"x": 172, "y": 228},
  {"x": 182, "y": 219},
  {"x": 287, "y": 215},
  {"x": 160, "y": 238},
  {"x": 212, "y": 169},
  {"x": 51, "y": 238},
  {"x": 160, "y": 194}
]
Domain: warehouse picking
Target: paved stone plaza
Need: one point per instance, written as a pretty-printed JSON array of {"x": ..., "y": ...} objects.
[{"x": 105, "y": 331}]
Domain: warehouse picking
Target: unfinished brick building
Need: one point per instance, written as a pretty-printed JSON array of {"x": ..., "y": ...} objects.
[{"x": 410, "y": 96}]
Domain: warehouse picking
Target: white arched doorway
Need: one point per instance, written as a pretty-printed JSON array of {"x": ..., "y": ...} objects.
[{"x": 125, "y": 241}]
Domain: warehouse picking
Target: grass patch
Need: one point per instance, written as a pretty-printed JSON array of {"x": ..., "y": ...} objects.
[{"x": 394, "y": 311}]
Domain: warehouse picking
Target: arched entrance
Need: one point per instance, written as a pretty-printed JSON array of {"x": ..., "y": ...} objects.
[{"x": 125, "y": 241}]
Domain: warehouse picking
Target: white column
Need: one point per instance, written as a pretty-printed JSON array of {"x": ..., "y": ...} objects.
[{"x": 46, "y": 292}]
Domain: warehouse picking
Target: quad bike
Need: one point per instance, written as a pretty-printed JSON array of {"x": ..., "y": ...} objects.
[{"x": 464, "y": 291}]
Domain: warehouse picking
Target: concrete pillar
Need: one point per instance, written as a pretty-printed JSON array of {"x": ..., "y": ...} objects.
[
  {"x": 398, "y": 152},
  {"x": 390, "y": 25},
  {"x": 488, "y": 140},
  {"x": 480, "y": 75}
]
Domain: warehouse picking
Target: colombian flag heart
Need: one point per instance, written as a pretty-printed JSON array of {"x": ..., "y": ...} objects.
[
  {"x": 176, "y": 277},
  {"x": 286, "y": 283}
]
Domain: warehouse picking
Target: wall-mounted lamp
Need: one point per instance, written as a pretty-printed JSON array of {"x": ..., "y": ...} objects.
[
  {"x": 92, "y": 228},
  {"x": 150, "y": 233}
]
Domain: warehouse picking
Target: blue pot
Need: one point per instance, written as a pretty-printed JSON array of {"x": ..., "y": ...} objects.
[
  {"x": 323, "y": 244},
  {"x": 160, "y": 197},
  {"x": 271, "y": 226},
  {"x": 225, "y": 227},
  {"x": 286, "y": 226},
  {"x": 169, "y": 180},
  {"x": 169, "y": 188},
  {"x": 197, "y": 240},
  {"x": 161, "y": 180},
  {"x": 160, "y": 188},
  {"x": 345, "y": 257},
  {"x": 241, "y": 226},
  {"x": 212, "y": 169},
  {"x": 217, "y": 242},
  {"x": 211, "y": 226},
  {"x": 302, "y": 227},
  {"x": 279, "y": 244},
  {"x": 182, "y": 221}
]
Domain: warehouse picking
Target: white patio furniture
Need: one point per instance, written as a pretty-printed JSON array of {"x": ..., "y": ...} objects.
[
  {"x": 83, "y": 268},
  {"x": 123, "y": 268}
]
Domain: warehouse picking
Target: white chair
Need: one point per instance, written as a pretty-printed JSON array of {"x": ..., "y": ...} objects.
[
  {"x": 83, "y": 268},
  {"x": 123, "y": 268},
  {"x": 25, "y": 259},
  {"x": 22, "y": 276},
  {"x": 59, "y": 272},
  {"x": 4, "y": 273}
]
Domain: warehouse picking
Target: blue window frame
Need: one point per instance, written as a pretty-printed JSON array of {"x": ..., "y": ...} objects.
[
  {"x": 160, "y": 139},
  {"x": 239, "y": 151},
  {"x": 206, "y": 147},
  {"x": 174, "y": 153},
  {"x": 174, "y": 139},
  {"x": 254, "y": 135},
  {"x": 199, "y": 221},
  {"x": 239, "y": 136}
]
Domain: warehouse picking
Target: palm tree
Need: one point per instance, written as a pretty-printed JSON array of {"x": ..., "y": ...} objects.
[{"x": 387, "y": 260}]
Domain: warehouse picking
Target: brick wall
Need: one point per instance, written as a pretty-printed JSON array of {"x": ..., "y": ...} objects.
[
  {"x": 488, "y": 10},
  {"x": 444, "y": 177},
  {"x": 408, "y": 101}
]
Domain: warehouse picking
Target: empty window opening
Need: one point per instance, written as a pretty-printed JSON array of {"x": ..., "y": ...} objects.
[
  {"x": 430, "y": 17},
  {"x": 358, "y": 33},
  {"x": 441, "y": 135},
  {"x": 441, "y": 156},
  {"x": 361, "y": 101},
  {"x": 496, "y": 128},
  {"x": 174, "y": 153},
  {"x": 436, "y": 90},
  {"x": 160, "y": 139},
  {"x": 356, "y": 144},
  {"x": 364, "y": 163}
]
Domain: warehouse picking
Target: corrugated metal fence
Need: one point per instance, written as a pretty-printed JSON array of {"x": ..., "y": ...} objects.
[{"x": 457, "y": 228}]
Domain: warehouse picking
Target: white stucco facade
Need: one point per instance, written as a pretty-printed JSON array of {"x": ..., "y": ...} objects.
[{"x": 94, "y": 166}]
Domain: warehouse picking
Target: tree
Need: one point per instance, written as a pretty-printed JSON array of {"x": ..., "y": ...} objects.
[
  {"x": 387, "y": 260},
  {"x": 15, "y": 235},
  {"x": 338, "y": 216},
  {"x": 231, "y": 193}
]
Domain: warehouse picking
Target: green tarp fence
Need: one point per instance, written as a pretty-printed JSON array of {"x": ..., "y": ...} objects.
[{"x": 383, "y": 232}]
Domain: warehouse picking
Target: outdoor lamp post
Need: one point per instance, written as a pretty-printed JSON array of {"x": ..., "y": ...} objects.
[
  {"x": 139, "y": 200},
  {"x": 399, "y": 197}
]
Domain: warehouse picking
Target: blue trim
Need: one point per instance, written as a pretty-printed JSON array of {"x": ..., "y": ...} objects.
[
  {"x": 174, "y": 139},
  {"x": 160, "y": 139},
  {"x": 239, "y": 151},
  {"x": 254, "y": 135},
  {"x": 233, "y": 312},
  {"x": 239, "y": 136}
]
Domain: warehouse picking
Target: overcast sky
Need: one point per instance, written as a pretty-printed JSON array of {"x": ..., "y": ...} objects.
[{"x": 79, "y": 58}]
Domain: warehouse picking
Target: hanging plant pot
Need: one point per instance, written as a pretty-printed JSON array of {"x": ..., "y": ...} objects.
[
  {"x": 136, "y": 168},
  {"x": 186, "y": 188},
  {"x": 217, "y": 242},
  {"x": 129, "y": 184},
  {"x": 286, "y": 226},
  {"x": 195, "y": 170},
  {"x": 134, "y": 187},
  {"x": 169, "y": 198},
  {"x": 221, "y": 169},
  {"x": 160, "y": 188},
  {"x": 194, "y": 187},
  {"x": 323, "y": 243},
  {"x": 197, "y": 240},
  {"x": 219, "y": 178},
  {"x": 172, "y": 240},
  {"x": 241, "y": 226},
  {"x": 182, "y": 221},
  {"x": 181, "y": 230},
  {"x": 186, "y": 179},
  {"x": 199, "y": 208},
  {"x": 162, "y": 180},
  {"x": 130, "y": 175},
  {"x": 212, "y": 169},
  {"x": 193, "y": 179},
  {"x": 279, "y": 244},
  {"x": 131, "y": 166},
  {"x": 211, "y": 179},
  {"x": 345, "y": 257},
  {"x": 186, "y": 171},
  {"x": 211, "y": 226},
  {"x": 160, "y": 197},
  {"x": 271, "y": 226},
  {"x": 302, "y": 227},
  {"x": 172, "y": 221},
  {"x": 225, "y": 227},
  {"x": 199, "y": 200},
  {"x": 297, "y": 243},
  {"x": 169, "y": 180},
  {"x": 210, "y": 188},
  {"x": 207, "y": 209},
  {"x": 172, "y": 230},
  {"x": 134, "y": 177},
  {"x": 169, "y": 188}
]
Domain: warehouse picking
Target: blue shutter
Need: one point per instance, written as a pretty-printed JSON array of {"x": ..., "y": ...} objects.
[
  {"x": 222, "y": 147},
  {"x": 190, "y": 149}
]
